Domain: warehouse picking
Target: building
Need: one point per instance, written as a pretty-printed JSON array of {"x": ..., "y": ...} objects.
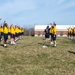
[{"x": 61, "y": 29}]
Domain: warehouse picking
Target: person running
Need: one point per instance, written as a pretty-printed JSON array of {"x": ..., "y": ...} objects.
[
  {"x": 9, "y": 34},
  {"x": 5, "y": 32},
  {"x": 16, "y": 33},
  {"x": 12, "y": 31},
  {"x": 1, "y": 30}
]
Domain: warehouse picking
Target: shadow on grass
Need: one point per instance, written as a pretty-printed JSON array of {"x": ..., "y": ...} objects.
[
  {"x": 2, "y": 45},
  {"x": 44, "y": 44},
  {"x": 71, "y": 52}
]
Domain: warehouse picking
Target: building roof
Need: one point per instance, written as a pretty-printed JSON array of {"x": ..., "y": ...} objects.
[{"x": 59, "y": 27}]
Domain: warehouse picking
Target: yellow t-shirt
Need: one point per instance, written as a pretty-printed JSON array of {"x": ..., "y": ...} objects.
[
  {"x": 9, "y": 30},
  {"x": 54, "y": 30},
  {"x": 74, "y": 30},
  {"x": 22, "y": 30},
  {"x": 51, "y": 30},
  {"x": 16, "y": 30},
  {"x": 69, "y": 30},
  {"x": 5, "y": 30},
  {"x": 12, "y": 30},
  {"x": 1, "y": 29}
]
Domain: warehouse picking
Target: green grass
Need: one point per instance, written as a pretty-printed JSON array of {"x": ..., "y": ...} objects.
[{"x": 28, "y": 57}]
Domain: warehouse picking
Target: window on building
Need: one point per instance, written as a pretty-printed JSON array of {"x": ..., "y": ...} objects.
[
  {"x": 38, "y": 33},
  {"x": 61, "y": 33}
]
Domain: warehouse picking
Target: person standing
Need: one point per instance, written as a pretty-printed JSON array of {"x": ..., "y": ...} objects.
[
  {"x": 54, "y": 34},
  {"x": 51, "y": 33},
  {"x": 47, "y": 34},
  {"x": 74, "y": 33}
]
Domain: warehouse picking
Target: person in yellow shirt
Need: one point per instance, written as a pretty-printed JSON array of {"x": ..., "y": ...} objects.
[
  {"x": 12, "y": 31},
  {"x": 54, "y": 34},
  {"x": 0, "y": 34},
  {"x": 51, "y": 33},
  {"x": 16, "y": 33},
  {"x": 1, "y": 31},
  {"x": 9, "y": 34},
  {"x": 69, "y": 32},
  {"x": 74, "y": 33},
  {"x": 5, "y": 32}
]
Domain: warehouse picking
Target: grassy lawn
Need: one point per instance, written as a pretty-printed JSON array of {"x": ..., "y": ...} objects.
[{"x": 28, "y": 57}]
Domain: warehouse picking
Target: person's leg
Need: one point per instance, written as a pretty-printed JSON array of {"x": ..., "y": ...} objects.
[
  {"x": 74, "y": 36},
  {"x": 11, "y": 39},
  {"x": 0, "y": 38},
  {"x": 5, "y": 43},
  {"x": 14, "y": 39},
  {"x": 5, "y": 39},
  {"x": 51, "y": 39},
  {"x": 54, "y": 40},
  {"x": 54, "y": 43}
]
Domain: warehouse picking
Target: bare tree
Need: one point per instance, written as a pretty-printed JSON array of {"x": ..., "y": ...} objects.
[{"x": 29, "y": 32}]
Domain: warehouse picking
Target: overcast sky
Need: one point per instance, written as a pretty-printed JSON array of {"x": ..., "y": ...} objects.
[{"x": 31, "y": 12}]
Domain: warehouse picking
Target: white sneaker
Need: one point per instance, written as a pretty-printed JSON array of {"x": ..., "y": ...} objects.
[
  {"x": 4, "y": 45},
  {"x": 51, "y": 42},
  {"x": 11, "y": 43},
  {"x": 14, "y": 43}
]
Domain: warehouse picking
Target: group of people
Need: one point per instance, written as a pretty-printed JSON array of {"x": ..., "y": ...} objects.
[
  {"x": 50, "y": 34},
  {"x": 71, "y": 33},
  {"x": 11, "y": 32}
]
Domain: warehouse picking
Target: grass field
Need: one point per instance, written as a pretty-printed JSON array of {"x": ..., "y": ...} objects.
[{"x": 28, "y": 57}]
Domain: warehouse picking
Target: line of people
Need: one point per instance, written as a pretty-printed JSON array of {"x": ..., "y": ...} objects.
[
  {"x": 50, "y": 34},
  {"x": 71, "y": 33},
  {"x": 13, "y": 33}
]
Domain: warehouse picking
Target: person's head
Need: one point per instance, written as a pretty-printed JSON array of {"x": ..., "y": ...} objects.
[
  {"x": 1, "y": 26},
  {"x": 54, "y": 24},
  {"x": 47, "y": 26},
  {"x": 50, "y": 23},
  {"x": 5, "y": 25}
]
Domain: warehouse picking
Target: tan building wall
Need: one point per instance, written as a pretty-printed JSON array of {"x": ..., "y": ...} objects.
[
  {"x": 59, "y": 33},
  {"x": 61, "y": 29}
]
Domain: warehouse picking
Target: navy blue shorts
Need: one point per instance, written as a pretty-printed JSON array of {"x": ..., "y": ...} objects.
[
  {"x": 73, "y": 34},
  {"x": 9, "y": 33},
  {"x": 47, "y": 35},
  {"x": 5, "y": 37},
  {"x": 12, "y": 36},
  {"x": 16, "y": 35},
  {"x": 53, "y": 37}
]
